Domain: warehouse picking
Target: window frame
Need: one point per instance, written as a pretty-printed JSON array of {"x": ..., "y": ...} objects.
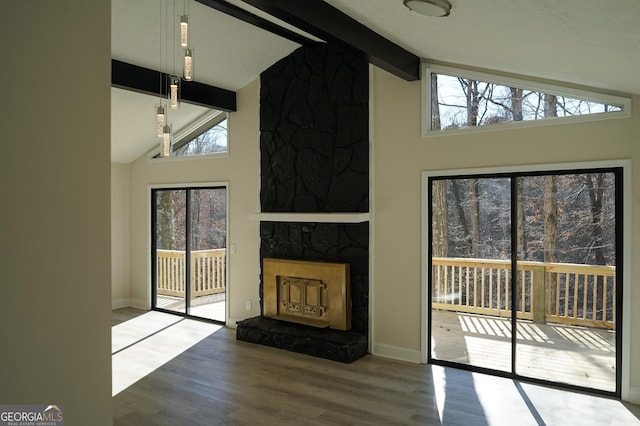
[
  {"x": 528, "y": 84},
  {"x": 190, "y": 132}
]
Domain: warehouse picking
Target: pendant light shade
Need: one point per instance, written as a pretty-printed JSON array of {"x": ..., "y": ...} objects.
[
  {"x": 188, "y": 64},
  {"x": 184, "y": 30},
  {"x": 167, "y": 141},
  {"x": 160, "y": 120},
  {"x": 174, "y": 85}
]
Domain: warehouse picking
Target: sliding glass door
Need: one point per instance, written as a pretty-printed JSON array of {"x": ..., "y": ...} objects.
[
  {"x": 523, "y": 278},
  {"x": 189, "y": 251}
]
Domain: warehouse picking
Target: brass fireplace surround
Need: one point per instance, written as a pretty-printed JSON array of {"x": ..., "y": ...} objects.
[{"x": 312, "y": 293}]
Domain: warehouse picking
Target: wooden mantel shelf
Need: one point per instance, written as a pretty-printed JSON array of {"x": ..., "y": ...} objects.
[{"x": 311, "y": 217}]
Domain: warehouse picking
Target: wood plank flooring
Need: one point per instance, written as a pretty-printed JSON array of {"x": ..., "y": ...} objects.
[{"x": 221, "y": 381}]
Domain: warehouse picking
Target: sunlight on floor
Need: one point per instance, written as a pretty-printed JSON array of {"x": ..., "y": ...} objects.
[
  {"x": 145, "y": 343},
  {"x": 531, "y": 404}
]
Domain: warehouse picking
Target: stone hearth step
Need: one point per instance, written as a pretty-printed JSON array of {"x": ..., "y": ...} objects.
[{"x": 336, "y": 345}]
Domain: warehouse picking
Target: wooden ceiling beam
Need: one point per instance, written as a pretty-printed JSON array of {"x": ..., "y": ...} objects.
[
  {"x": 144, "y": 80},
  {"x": 324, "y": 21},
  {"x": 248, "y": 17}
]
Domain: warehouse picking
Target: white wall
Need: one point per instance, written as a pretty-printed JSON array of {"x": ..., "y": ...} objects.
[
  {"x": 400, "y": 154},
  {"x": 54, "y": 220},
  {"x": 240, "y": 170},
  {"x": 120, "y": 253}
]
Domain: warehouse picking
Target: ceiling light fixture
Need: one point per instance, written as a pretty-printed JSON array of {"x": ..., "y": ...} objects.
[
  {"x": 161, "y": 117},
  {"x": 160, "y": 120},
  {"x": 167, "y": 141},
  {"x": 437, "y": 8},
  {"x": 184, "y": 30},
  {"x": 188, "y": 64},
  {"x": 174, "y": 100},
  {"x": 164, "y": 129}
]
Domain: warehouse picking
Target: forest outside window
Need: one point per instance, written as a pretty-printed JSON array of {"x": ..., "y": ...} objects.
[
  {"x": 211, "y": 141},
  {"x": 458, "y": 100},
  {"x": 202, "y": 138}
]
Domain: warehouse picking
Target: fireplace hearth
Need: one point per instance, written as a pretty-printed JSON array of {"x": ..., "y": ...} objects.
[{"x": 335, "y": 345}]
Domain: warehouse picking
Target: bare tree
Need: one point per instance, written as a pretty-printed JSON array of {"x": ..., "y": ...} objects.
[
  {"x": 550, "y": 196},
  {"x": 521, "y": 229},
  {"x": 475, "y": 216},
  {"x": 550, "y": 243},
  {"x": 595, "y": 184},
  {"x": 440, "y": 225}
]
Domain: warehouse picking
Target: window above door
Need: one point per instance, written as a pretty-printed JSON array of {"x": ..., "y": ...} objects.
[{"x": 457, "y": 100}]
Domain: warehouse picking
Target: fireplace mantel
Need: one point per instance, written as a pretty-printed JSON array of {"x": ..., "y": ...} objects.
[{"x": 311, "y": 217}]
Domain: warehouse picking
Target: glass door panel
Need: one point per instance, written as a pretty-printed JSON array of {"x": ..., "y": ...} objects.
[
  {"x": 470, "y": 272},
  {"x": 207, "y": 251},
  {"x": 169, "y": 245},
  {"x": 566, "y": 262}
]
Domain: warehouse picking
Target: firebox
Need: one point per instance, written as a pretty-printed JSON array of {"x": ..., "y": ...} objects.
[{"x": 312, "y": 293}]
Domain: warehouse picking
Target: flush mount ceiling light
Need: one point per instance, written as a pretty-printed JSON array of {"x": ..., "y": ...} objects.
[{"x": 436, "y": 8}]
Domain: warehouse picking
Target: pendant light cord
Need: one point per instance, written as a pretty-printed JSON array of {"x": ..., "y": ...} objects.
[{"x": 160, "y": 65}]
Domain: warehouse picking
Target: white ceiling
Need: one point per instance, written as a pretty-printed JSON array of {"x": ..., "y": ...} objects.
[
  {"x": 594, "y": 43},
  {"x": 228, "y": 53}
]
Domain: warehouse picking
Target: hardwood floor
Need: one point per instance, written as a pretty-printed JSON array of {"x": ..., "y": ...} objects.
[
  {"x": 121, "y": 315},
  {"x": 221, "y": 381}
]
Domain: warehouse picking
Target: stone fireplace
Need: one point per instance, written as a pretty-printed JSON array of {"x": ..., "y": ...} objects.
[
  {"x": 317, "y": 294},
  {"x": 314, "y": 160}
]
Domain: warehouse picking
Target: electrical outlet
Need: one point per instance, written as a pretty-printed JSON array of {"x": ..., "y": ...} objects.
[{"x": 247, "y": 305}]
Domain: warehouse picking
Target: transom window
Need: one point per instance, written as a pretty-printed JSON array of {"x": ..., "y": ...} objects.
[
  {"x": 203, "y": 137},
  {"x": 457, "y": 99},
  {"x": 211, "y": 141}
]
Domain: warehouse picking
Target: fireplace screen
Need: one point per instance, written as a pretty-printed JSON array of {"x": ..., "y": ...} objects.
[{"x": 311, "y": 293}]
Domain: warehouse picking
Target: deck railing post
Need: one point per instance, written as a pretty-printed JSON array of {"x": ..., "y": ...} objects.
[{"x": 538, "y": 296}]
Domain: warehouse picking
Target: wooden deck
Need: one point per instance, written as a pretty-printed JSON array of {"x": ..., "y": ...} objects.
[
  {"x": 568, "y": 354},
  {"x": 208, "y": 307}
]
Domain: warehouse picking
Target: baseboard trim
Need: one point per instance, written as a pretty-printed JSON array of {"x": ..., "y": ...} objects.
[
  {"x": 232, "y": 322},
  {"x": 395, "y": 352},
  {"x": 120, "y": 303},
  {"x": 634, "y": 395},
  {"x": 129, "y": 303},
  {"x": 140, "y": 304}
]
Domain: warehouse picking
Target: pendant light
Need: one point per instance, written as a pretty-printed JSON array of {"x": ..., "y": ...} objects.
[
  {"x": 160, "y": 120},
  {"x": 166, "y": 143},
  {"x": 174, "y": 89},
  {"x": 184, "y": 30},
  {"x": 188, "y": 64}
]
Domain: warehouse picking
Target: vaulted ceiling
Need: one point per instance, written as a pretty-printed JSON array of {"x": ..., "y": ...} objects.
[{"x": 594, "y": 43}]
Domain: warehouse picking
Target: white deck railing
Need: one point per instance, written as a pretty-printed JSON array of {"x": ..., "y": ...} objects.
[
  {"x": 207, "y": 269},
  {"x": 548, "y": 292}
]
